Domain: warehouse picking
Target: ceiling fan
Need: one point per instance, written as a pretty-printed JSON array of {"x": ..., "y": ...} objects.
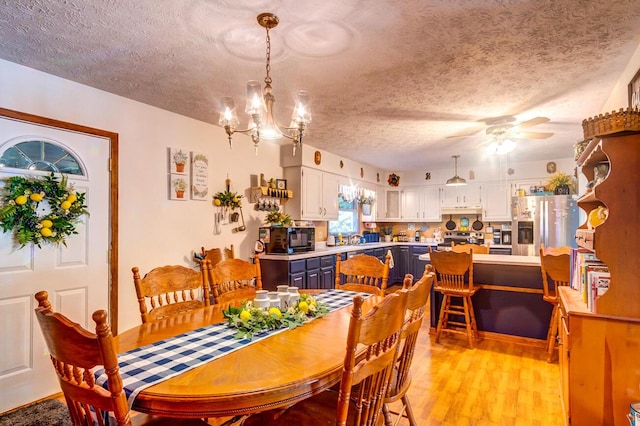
[
  {"x": 503, "y": 130},
  {"x": 506, "y": 126}
]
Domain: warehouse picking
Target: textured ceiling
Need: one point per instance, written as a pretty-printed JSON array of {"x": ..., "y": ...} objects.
[{"x": 390, "y": 80}]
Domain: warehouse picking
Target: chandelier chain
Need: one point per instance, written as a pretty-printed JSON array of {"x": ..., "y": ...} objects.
[{"x": 267, "y": 79}]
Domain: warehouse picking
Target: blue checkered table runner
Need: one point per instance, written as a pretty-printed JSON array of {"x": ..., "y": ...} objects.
[{"x": 148, "y": 365}]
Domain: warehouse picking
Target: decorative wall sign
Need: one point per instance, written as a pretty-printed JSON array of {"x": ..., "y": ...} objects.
[
  {"x": 317, "y": 157},
  {"x": 427, "y": 176},
  {"x": 551, "y": 167},
  {"x": 393, "y": 180},
  {"x": 341, "y": 164},
  {"x": 178, "y": 161},
  {"x": 199, "y": 176},
  {"x": 178, "y": 187},
  {"x": 634, "y": 91},
  {"x": 361, "y": 172},
  {"x": 377, "y": 177}
]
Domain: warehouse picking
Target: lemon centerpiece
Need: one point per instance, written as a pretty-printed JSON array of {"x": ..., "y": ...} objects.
[{"x": 249, "y": 320}]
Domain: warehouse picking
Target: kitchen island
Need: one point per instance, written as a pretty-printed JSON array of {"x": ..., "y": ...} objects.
[{"x": 509, "y": 301}]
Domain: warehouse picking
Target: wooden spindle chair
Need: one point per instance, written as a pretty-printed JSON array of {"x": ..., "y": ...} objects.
[
  {"x": 234, "y": 280},
  {"x": 75, "y": 353},
  {"x": 169, "y": 290},
  {"x": 555, "y": 265},
  {"x": 454, "y": 279},
  {"x": 417, "y": 297},
  {"x": 464, "y": 248},
  {"x": 363, "y": 273}
]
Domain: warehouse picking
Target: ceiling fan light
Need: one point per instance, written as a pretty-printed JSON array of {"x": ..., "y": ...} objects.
[{"x": 506, "y": 147}]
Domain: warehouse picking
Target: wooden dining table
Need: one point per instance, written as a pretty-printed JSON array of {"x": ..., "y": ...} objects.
[{"x": 275, "y": 372}]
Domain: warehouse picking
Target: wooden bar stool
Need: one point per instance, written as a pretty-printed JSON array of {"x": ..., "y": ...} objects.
[
  {"x": 451, "y": 269},
  {"x": 555, "y": 264}
]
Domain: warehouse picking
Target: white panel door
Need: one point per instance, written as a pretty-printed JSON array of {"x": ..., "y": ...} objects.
[{"x": 76, "y": 276}]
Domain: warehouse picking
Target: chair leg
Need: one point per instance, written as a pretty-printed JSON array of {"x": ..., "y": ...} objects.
[
  {"x": 409, "y": 411},
  {"x": 553, "y": 332},
  {"x": 474, "y": 323},
  {"x": 388, "y": 421},
  {"x": 443, "y": 308},
  {"x": 466, "y": 301}
]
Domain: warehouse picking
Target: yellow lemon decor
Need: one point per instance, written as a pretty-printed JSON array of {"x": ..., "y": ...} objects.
[
  {"x": 40, "y": 209},
  {"x": 249, "y": 320},
  {"x": 597, "y": 217},
  {"x": 36, "y": 197}
]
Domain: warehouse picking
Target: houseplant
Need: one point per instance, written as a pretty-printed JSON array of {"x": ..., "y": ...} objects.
[
  {"x": 387, "y": 230},
  {"x": 276, "y": 218},
  {"x": 561, "y": 183},
  {"x": 366, "y": 201}
]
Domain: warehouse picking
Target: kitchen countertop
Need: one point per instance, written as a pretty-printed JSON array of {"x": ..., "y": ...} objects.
[
  {"x": 499, "y": 259},
  {"x": 323, "y": 250}
]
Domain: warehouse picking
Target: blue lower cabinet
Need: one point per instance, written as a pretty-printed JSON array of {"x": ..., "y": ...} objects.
[
  {"x": 296, "y": 280},
  {"x": 313, "y": 278},
  {"x": 327, "y": 272}
]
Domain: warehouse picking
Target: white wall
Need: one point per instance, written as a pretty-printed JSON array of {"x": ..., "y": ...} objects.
[
  {"x": 619, "y": 97},
  {"x": 153, "y": 231}
]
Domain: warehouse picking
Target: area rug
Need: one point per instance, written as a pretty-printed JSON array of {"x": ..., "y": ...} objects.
[{"x": 46, "y": 413}]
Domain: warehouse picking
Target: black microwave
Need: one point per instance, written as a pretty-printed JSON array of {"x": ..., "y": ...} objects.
[{"x": 288, "y": 239}]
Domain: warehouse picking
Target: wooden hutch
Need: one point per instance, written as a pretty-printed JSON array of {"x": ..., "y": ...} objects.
[{"x": 600, "y": 348}]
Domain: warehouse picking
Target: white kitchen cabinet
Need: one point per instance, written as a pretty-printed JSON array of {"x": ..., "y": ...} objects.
[
  {"x": 421, "y": 204},
  {"x": 318, "y": 199},
  {"x": 380, "y": 205},
  {"x": 431, "y": 204},
  {"x": 468, "y": 195},
  {"x": 393, "y": 203},
  {"x": 411, "y": 204},
  {"x": 496, "y": 202}
]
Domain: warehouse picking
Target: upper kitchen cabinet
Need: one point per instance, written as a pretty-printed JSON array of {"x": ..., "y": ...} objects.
[
  {"x": 421, "y": 204},
  {"x": 318, "y": 191},
  {"x": 393, "y": 203},
  {"x": 380, "y": 205},
  {"x": 465, "y": 196},
  {"x": 496, "y": 202}
]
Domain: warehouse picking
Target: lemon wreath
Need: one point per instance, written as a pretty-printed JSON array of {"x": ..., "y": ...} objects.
[{"x": 40, "y": 210}]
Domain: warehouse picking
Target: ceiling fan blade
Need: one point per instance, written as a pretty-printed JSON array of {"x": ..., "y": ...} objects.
[
  {"x": 537, "y": 135},
  {"x": 533, "y": 122},
  {"x": 472, "y": 132}
]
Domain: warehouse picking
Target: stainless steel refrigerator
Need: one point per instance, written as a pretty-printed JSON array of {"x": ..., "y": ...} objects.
[{"x": 548, "y": 219}]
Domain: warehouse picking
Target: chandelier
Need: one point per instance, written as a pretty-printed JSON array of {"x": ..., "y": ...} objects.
[{"x": 259, "y": 106}]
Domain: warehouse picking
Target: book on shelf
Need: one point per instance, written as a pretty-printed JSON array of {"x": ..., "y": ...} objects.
[{"x": 589, "y": 276}]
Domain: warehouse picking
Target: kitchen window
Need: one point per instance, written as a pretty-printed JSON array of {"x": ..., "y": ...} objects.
[{"x": 347, "y": 222}]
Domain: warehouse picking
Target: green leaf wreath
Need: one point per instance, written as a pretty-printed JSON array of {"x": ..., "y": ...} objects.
[
  {"x": 40, "y": 209},
  {"x": 249, "y": 320}
]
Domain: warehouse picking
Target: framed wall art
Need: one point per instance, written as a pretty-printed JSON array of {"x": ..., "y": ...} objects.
[
  {"x": 178, "y": 187},
  {"x": 634, "y": 91},
  {"x": 199, "y": 176},
  {"x": 178, "y": 161},
  {"x": 281, "y": 183}
]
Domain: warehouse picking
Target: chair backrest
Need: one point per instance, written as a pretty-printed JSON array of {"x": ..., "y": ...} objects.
[
  {"x": 363, "y": 273},
  {"x": 235, "y": 279},
  {"x": 417, "y": 297},
  {"x": 465, "y": 248},
  {"x": 75, "y": 352},
  {"x": 555, "y": 264},
  {"x": 169, "y": 290},
  {"x": 217, "y": 255},
  {"x": 377, "y": 332},
  {"x": 454, "y": 271}
]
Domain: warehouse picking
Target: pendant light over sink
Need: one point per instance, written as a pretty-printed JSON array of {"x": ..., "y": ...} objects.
[{"x": 456, "y": 180}]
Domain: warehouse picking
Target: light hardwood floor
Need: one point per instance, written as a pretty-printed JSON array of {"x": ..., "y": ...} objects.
[{"x": 498, "y": 383}]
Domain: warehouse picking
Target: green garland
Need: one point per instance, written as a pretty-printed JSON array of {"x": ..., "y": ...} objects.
[{"x": 23, "y": 196}]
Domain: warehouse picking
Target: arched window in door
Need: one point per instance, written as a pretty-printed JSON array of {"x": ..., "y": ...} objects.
[{"x": 38, "y": 154}]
